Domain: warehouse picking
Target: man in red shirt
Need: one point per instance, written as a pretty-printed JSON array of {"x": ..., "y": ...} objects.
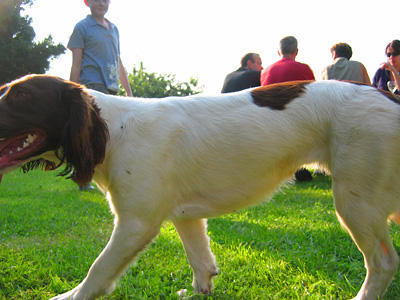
[{"x": 287, "y": 68}]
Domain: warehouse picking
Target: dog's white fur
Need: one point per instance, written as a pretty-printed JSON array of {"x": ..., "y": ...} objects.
[{"x": 187, "y": 159}]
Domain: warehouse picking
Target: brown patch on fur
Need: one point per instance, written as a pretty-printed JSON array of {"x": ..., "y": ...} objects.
[
  {"x": 355, "y": 82},
  {"x": 391, "y": 96},
  {"x": 276, "y": 96}
]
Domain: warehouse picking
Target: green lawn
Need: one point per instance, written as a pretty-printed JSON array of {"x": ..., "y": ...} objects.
[{"x": 291, "y": 247}]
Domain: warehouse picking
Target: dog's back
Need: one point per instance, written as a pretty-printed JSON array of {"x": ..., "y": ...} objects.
[{"x": 228, "y": 151}]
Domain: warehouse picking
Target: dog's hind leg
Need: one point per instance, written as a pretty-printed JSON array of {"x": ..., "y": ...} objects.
[
  {"x": 367, "y": 223},
  {"x": 196, "y": 242},
  {"x": 127, "y": 240}
]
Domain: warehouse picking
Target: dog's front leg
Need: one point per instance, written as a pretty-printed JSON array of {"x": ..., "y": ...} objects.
[
  {"x": 127, "y": 239},
  {"x": 196, "y": 242}
]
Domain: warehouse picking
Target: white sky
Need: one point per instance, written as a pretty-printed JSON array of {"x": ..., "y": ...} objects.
[{"x": 206, "y": 39}]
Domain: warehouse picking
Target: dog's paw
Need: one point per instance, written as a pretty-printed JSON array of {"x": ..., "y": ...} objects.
[
  {"x": 204, "y": 284},
  {"x": 86, "y": 291},
  {"x": 74, "y": 294},
  {"x": 66, "y": 296},
  {"x": 182, "y": 293}
]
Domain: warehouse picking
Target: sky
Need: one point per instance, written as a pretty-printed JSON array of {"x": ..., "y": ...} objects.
[{"x": 206, "y": 39}]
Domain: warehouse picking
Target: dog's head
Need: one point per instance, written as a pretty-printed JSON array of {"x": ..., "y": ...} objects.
[{"x": 42, "y": 114}]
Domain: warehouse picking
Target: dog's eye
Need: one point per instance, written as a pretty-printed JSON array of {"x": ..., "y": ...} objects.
[
  {"x": 17, "y": 95},
  {"x": 21, "y": 94}
]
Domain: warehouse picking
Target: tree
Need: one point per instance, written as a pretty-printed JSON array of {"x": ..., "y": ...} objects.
[
  {"x": 19, "y": 55},
  {"x": 154, "y": 85}
]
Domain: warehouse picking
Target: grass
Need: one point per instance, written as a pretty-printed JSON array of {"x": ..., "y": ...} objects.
[{"x": 291, "y": 247}]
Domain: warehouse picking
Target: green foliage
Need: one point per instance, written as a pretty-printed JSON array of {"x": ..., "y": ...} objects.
[
  {"x": 154, "y": 85},
  {"x": 19, "y": 55}
]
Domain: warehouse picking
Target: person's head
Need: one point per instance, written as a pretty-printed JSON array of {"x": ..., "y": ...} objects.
[
  {"x": 98, "y": 8},
  {"x": 393, "y": 53},
  {"x": 288, "y": 46},
  {"x": 341, "y": 50},
  {"x": 251, "y": 61}
]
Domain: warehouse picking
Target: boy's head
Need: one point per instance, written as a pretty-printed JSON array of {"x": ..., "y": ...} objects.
[
  {"x": 98, "y": 7},
  {"x": 87, "y": 4}
]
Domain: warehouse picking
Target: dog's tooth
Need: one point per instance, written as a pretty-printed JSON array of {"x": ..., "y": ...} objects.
[
  {"x": 31, "y": 138},
  {"x": 25, "y": 145},
  {"x": 19, "y": 149}
]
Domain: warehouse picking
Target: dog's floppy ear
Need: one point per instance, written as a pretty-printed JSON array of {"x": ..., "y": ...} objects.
[{"x": 84, "y": 136}]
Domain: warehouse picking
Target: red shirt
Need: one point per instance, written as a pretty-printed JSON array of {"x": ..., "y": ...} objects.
[{"x": 284, "y": 70}]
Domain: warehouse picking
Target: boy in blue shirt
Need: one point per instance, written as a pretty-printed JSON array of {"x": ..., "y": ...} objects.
[
  {"x": 96, "y": 60},
  {"x": 95, "y": 47}
]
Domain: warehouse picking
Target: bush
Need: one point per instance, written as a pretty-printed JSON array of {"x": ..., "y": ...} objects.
[{"x": 154, "y": 85}]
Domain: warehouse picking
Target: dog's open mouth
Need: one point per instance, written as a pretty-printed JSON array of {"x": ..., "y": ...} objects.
[{"x": 16, "y": 151}]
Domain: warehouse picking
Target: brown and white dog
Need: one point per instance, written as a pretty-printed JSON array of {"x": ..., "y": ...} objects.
[{"x": 187, "y": 159}]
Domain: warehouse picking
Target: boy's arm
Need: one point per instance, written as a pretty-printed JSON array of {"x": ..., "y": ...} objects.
[
  {"x": 76, "y": 64},
  {"x": 124, "y": 79}
]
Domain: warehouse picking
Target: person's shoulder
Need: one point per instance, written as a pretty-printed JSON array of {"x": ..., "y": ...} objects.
[
  {"x": 249, "y": 74},
  {"x": 354, "y": 63},
  {"x": 88, "y": 20},
  {"x": 282, "y": 61},
  {"x": 232, "y": 74},
  {"x": 306, "y": 70},
  {"x": 380, "y": 72},
  {"x": 302, "y": 64},
  {"x": 305, "y": 66},
  {"x": 273, "y": 65},
  {"x": 240, "y": 73},
  {"x": 84, "y": 23},
  {"x": 252, "y": 72},
  {"x": 330, "y": 66},
  {"x": 79, "y": 34}
]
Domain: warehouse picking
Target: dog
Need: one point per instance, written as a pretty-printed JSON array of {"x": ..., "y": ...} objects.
[{"x": 186, "y": 159}]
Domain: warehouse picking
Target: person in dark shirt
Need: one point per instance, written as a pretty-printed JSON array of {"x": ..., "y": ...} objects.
[
  {"x": 389, "y": 70},
  {"x": 247, "y": 76}
]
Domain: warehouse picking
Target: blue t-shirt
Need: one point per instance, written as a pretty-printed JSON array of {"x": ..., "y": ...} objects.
[
  {"x": 101, "y": 51},
  {"x": 381, "y": 77}
]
